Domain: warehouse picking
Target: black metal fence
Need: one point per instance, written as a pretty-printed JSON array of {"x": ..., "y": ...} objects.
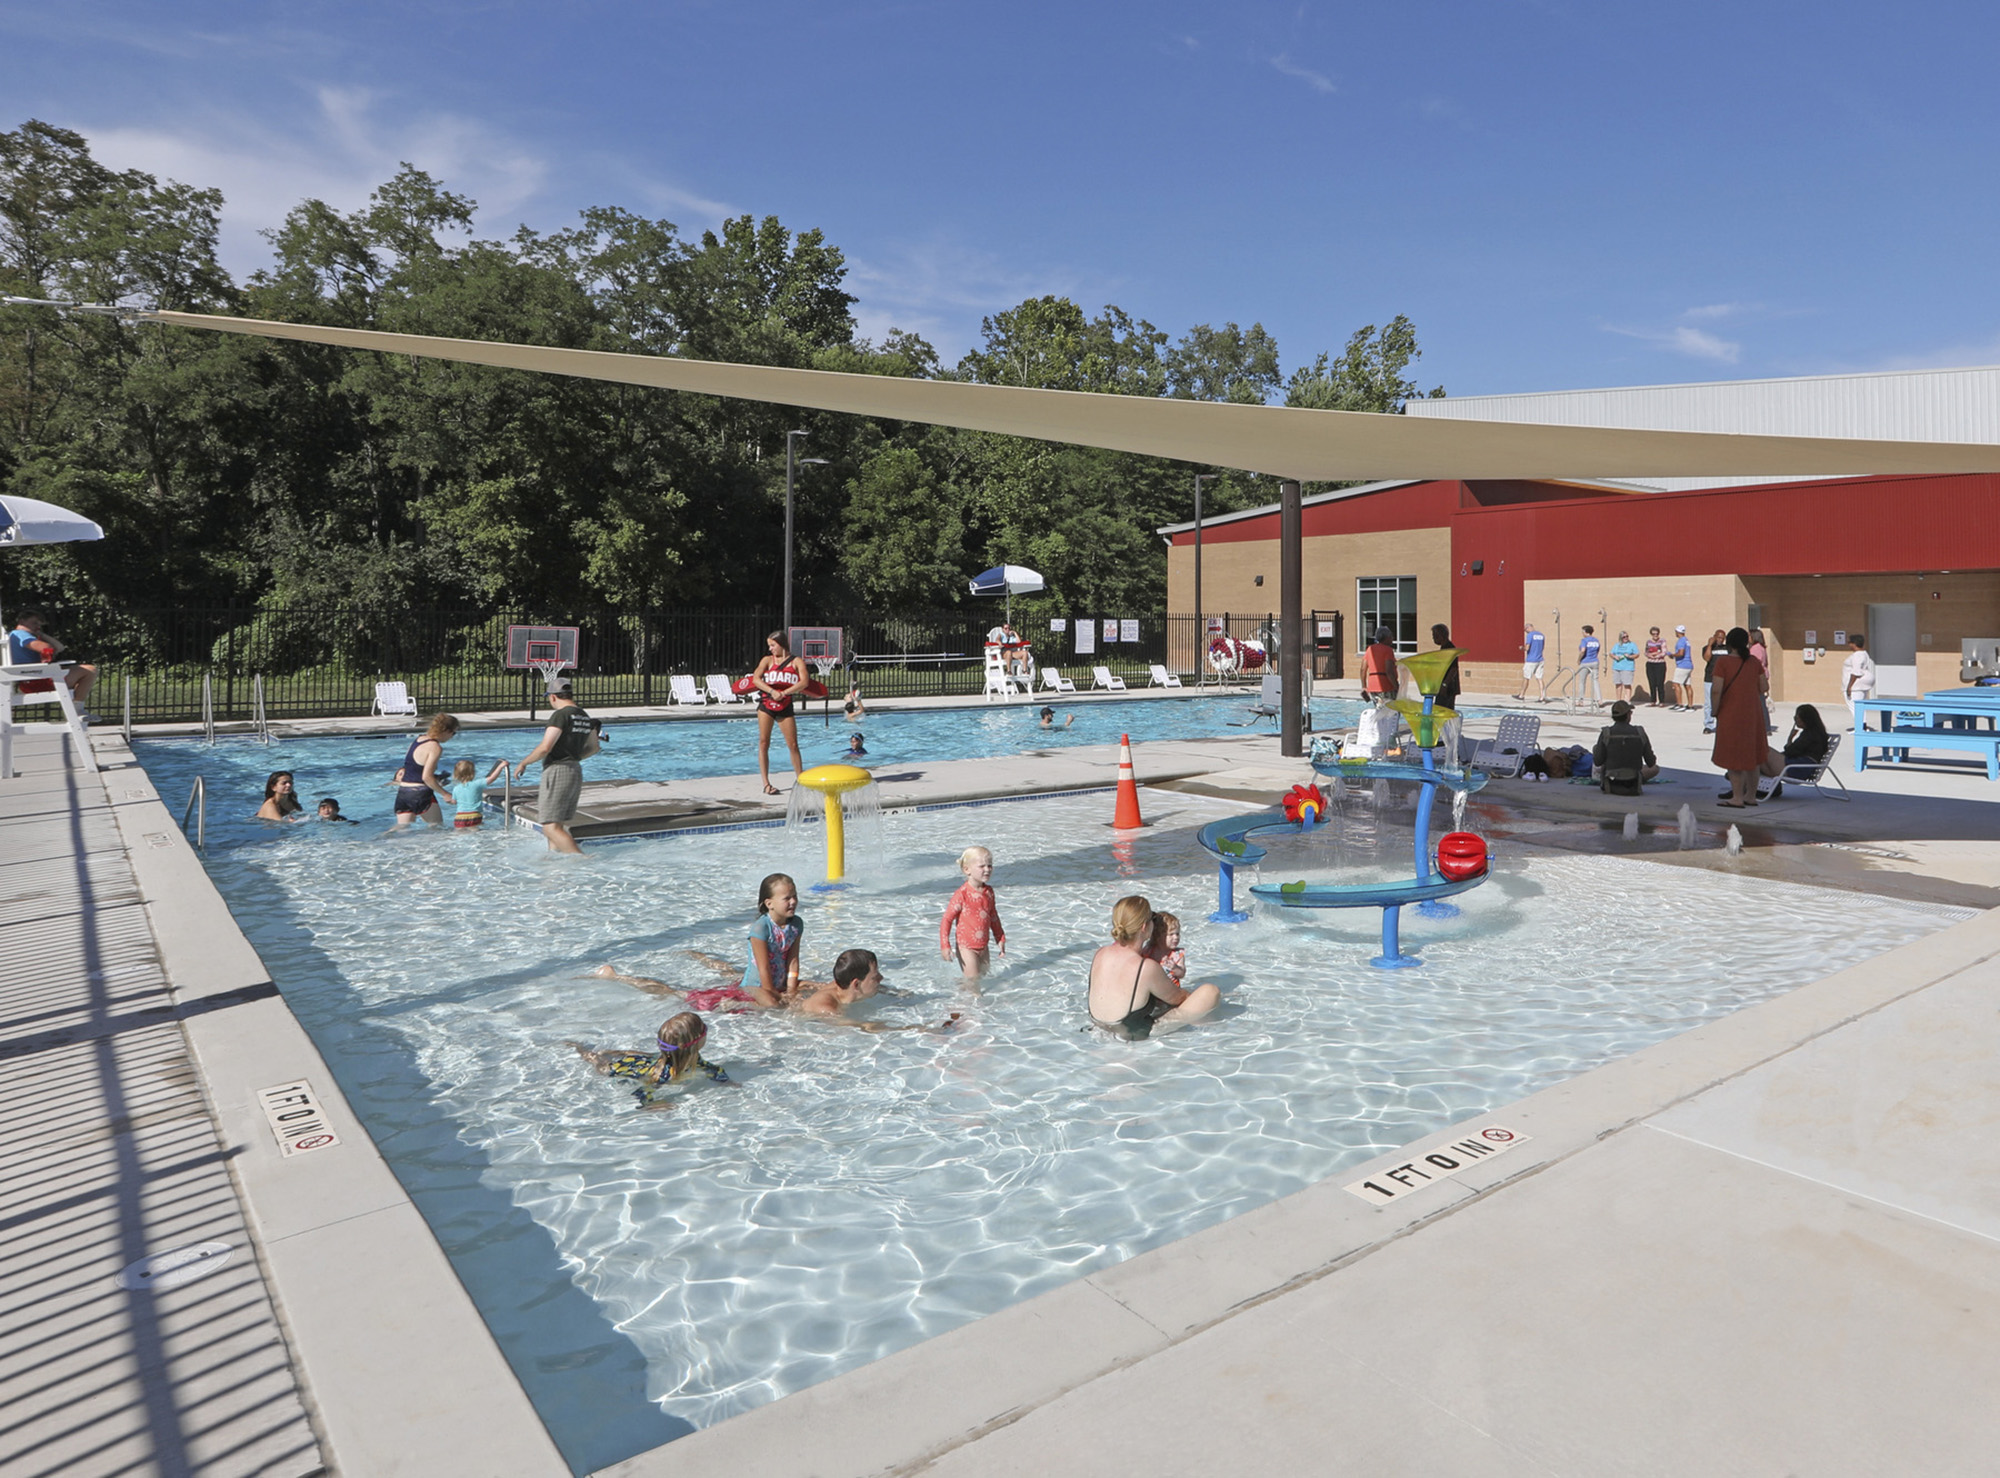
[{"x": 325, "y": 662}]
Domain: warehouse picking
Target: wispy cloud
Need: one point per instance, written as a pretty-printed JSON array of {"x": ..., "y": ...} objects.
[
  {"x": 941, "y": 288},
  {"x": 1685, "y": 338},
  {"x": 1711, "y": 311},
  {"x": 1317, "y": 81},
  {"x": 351, "y": 141}
]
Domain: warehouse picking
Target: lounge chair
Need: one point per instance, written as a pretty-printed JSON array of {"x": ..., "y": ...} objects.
[
  {"x": 1269, "y": 704},
  {"x": 1103, "y": 677},
  {"x": 1810, "y": 772},
  {"x": 1520, "y": 735},
  {"x": 720, "y": 690},
  {"x": 1162, "y": 678},
  {"x": 682, "y": 687},
  {"x": 393, "y": 698},
  {"x": 1055, "y": 682}
]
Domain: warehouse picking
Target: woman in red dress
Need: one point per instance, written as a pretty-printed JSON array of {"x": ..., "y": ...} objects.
[{"x": 1738, "y": 698}]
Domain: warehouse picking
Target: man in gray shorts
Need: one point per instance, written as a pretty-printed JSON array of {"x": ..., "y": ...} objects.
[{"x": 570, "y": 738}]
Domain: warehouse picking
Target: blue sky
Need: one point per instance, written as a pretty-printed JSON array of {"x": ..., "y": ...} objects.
[{"x": 1559, "y": 194}]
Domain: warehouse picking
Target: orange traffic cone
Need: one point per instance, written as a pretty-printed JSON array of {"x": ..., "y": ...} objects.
[{"x": 1127, "y": 816}]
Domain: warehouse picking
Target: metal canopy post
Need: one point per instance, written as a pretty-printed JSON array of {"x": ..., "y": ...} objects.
[{"x": 1291, "y": 621}]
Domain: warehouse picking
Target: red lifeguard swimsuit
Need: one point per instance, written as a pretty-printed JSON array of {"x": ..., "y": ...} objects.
[{"x": 976, "y": 912}]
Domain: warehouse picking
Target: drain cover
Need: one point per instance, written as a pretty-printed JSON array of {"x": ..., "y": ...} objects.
[{"x": 181, "y": 1265}]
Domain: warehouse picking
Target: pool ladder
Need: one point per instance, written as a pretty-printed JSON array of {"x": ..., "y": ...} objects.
[{"x": 197, "y": 807}]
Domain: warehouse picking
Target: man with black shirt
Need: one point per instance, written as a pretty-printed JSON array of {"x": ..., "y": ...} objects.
[{"x": 570, "y": 738}]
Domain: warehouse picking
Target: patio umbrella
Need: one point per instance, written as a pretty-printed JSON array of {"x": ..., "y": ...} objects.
[
  {"x": 1007, "y": 580},
  {"x": 29, "y": 521}
]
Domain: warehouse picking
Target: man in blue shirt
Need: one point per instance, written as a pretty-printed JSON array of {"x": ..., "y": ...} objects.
[
  {"x": 1587, "y": 668},
  {"x": 1683, "y": 683},
  {"x": 1532, "y": 669}
]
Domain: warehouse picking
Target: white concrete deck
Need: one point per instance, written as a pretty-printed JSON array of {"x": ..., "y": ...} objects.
[{"x": 1768, "y": 1245}]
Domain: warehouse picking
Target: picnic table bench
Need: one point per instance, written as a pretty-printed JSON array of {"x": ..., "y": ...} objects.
[{"x": 1960, "y": 719}]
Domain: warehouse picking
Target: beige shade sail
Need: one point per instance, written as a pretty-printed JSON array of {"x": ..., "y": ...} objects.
[{"x": 1318, "y": 446}]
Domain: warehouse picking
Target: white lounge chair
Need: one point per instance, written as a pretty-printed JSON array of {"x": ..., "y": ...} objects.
[
  {"x": 1103, "y": 677},
  {"x": 1055, "y": 682},
  {"x": 1269, "y": 704},
  {"x": 720, "y": 690},
  {"x": 1809, "y": 772},
  {"x": 1519, "y": 736},
  {"x": 393, "y": 698},
  {"x": 684, "y": 691},
  {"x": 1162, "y": 678}
]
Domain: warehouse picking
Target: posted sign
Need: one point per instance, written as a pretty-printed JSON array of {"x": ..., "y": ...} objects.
[
  {"x": 1398, "y": 1181},
  {"x": 297, "y": 1121}
]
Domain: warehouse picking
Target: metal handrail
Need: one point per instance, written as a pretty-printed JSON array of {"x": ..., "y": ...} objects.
[
  {"x": 197, "y": 806},
  {"x": 128, "y": 710},
  {"x": 257, "y": 709},
  {"x": 208, "y": 707}
]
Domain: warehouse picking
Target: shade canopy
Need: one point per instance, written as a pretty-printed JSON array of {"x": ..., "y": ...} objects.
[
  {"x": 1007, "y": 580},
  {"x": 1283, "y": 441},
  {"x": 30, "y": 521}
]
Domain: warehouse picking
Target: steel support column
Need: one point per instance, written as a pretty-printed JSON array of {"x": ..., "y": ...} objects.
[{"x": 1291, "y": 622}]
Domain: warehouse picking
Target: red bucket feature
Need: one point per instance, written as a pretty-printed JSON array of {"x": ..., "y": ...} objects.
[{"x": 1461, "y": 855}]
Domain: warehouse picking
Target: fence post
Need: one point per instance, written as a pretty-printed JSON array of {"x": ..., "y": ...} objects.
[
  {"x": 128, "y": 710},
  {"x": 229, "y": 664},
  {"x": 645, "y": 663}
]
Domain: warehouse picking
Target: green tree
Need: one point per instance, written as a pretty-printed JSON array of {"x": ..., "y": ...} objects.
[{"x": 1369, "y": 375}]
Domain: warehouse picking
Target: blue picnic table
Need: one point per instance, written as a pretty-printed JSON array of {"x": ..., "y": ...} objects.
[{"x": 1952, "y": 718}]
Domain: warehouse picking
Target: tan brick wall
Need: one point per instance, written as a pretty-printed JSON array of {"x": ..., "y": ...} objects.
[
  {"x": 1699, "y": 602},
  {"x": 1949, "y": 608},
  {"x": 1331, "y": 565}
]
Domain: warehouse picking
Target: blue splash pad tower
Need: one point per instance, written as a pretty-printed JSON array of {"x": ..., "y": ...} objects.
[{"x": 1229, "y": 839}]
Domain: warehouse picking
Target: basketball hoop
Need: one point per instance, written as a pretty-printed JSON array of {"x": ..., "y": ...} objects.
[{"x": 551, "y": 670}]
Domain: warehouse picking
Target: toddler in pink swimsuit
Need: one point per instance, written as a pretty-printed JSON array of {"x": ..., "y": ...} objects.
[{"x": 976, "y": 914}]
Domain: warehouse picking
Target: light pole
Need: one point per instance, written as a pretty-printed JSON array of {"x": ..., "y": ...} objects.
[
  {"x": 792, "y": 462},
  {"x": 1200, "y": 625}
]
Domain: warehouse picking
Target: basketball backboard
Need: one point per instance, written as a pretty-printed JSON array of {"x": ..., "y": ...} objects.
[
  {"x": 547, "y": 649},
  {"x": 819, "y": 644}
]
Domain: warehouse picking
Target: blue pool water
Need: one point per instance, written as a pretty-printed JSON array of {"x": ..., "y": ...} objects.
[
  {"x": 354, "y": 768},
  {"x": 854, "y": 1194}
]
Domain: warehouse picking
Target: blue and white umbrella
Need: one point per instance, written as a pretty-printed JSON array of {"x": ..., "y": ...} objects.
[
  {"x": 1007, "y": 580},
  {"x": 30, "y": 521}
]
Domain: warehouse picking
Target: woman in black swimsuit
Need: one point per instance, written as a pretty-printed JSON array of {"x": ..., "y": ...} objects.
[
  {"x": 1129, "y": 993},
  {"x": 779, "y": 679}
]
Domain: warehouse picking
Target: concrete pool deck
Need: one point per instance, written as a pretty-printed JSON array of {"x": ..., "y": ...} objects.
[{"x": 1774, "y": 1235}]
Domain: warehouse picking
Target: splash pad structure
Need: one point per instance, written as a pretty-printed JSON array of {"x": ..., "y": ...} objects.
[
  {"x": 1463, "y": 864},
  {"x": 833, "y": 783}
]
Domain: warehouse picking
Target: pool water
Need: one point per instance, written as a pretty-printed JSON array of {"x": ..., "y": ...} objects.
[
  {"x": 355, "y": 768},
  {"x": 853, "y": 1194}
]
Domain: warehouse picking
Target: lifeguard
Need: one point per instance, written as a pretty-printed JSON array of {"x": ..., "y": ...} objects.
[{"x": 1379, "y": 666}]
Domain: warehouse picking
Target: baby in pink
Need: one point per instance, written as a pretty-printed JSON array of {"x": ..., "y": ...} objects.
[{"x": 976, "y": 914}]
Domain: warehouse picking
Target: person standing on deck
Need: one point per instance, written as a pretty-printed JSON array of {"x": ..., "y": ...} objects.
[
  {"x": 1533, "y": 669},
  {"x": 1379, "y": 677}
]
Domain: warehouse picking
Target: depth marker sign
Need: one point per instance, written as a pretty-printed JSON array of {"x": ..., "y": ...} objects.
[
  {"x": 1441, "y": 1163},
  {"x": 296, "y": 1119}
]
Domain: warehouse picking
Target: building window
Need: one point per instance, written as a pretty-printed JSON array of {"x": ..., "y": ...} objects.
[{"x": 1391, "y": 601}]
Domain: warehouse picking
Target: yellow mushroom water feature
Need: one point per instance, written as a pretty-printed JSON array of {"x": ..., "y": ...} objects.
[{"x": 832, "y": 782}]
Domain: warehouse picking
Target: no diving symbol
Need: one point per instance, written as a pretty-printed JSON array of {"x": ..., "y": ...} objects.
[
  {"x": 1497, "y": 1135},
  {"x": 313, "y": 1142}
]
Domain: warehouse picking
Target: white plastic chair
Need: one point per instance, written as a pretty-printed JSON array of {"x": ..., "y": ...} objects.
[
  {"x": 1102, "y": 677},
  {"x": 720, "y": 690},
  {"x": 394, "y": 698},
  {"x": 1162, "y": 678},
  {"x": 1519, "y": 736},
  {"x": 681, "y": 688},
  {"x": 1055, "y": 682}
]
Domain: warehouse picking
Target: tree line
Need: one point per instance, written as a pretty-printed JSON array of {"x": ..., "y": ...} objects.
[{"x": 230, "y": 470}]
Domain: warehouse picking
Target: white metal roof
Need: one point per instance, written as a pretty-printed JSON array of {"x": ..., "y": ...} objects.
[
  {"x": 1210, "y": 520},
  {"x": 1935, "y": 405}
]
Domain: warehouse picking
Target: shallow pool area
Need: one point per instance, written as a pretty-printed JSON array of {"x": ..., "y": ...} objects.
[{"x": 853, "y": 1194}]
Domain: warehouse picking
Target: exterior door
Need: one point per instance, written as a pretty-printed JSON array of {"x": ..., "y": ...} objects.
[{"x": 1892, "y": 642}]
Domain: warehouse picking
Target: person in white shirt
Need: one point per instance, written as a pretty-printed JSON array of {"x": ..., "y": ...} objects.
[{"x": 1857, "y": 676}]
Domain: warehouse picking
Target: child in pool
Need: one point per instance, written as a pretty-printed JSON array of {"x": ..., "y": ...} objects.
[
  {"x": 857, "y": 975},
  {"x": 679, "y": 1055},
  {"x": 855, "y": 746},
  {"x": 1166, "y": 948},
  {"x": 468, "y": 792},
  {"x": 976, "y": 913},
  {"x": 329, "y": 810}
]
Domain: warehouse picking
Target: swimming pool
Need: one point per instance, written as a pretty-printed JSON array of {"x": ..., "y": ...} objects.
[
  {"x": 646, "y": 1273},
  {"x": 354, "y": 767}
]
